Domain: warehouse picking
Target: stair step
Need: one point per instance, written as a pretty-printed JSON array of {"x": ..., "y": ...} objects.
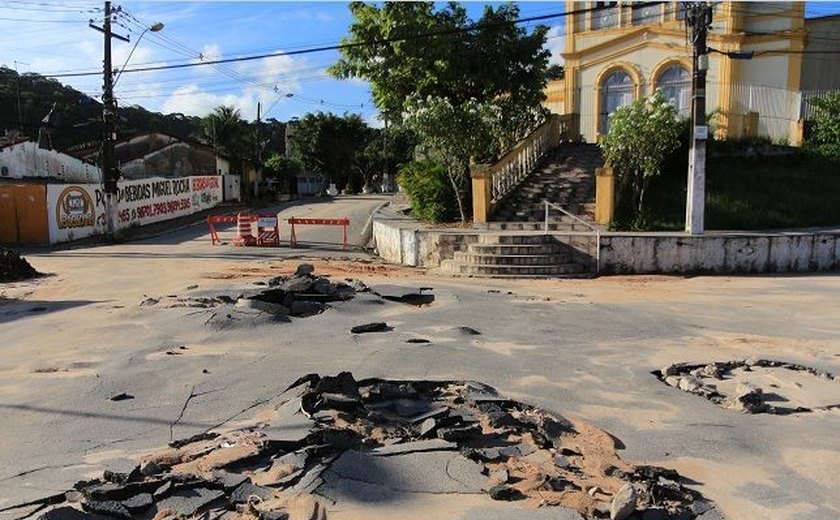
[
  {"x": 522, "y": 271},
  {"x": 515, "y": 249},
  {"x": 470, "y": 258}
]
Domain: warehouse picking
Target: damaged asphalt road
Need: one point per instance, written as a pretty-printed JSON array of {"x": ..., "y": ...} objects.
[
  {"x": 582, "y": 355},
  {"x": 346, "y": 441}
]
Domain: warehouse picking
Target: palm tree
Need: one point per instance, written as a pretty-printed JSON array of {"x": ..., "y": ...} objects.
[{"x": 225, "y": 129}]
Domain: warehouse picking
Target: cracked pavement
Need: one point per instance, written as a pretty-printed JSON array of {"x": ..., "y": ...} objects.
[{"x": 582, "y": 348}]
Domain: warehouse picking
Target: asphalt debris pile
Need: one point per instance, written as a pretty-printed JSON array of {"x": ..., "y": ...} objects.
[
  {"x": 13, "y": 267},
  {"x": 301, "y": 294},
  {"x": 325, "y": 435},
  {"x": 757, "y": 385}
]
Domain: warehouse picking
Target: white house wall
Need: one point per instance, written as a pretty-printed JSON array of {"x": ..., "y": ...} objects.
[{"x": 26, "y": 160}]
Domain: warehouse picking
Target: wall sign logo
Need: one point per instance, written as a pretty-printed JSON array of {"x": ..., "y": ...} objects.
[{"x": 74, "y": 209}]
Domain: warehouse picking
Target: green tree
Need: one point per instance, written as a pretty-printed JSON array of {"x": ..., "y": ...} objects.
[
  {"x": 826, "y": 131},
  {"x": 482, "y": 60},
  {"x": 555, "y": 71},
  {"x": 454, "y": 135},
  {"x": 331, "y": 145},
  {"x": 226, "y": 131},
  {"x": 283, "y": 168},
  {"x": 640, "y": 138}
]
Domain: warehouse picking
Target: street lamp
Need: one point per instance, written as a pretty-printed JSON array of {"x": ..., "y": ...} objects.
[{"x": 154, "y": 28}]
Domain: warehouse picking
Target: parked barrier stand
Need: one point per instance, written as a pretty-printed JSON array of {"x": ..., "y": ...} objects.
[
  {"x": 268, "y": 229},
  {"x": 317, "y": 222}
]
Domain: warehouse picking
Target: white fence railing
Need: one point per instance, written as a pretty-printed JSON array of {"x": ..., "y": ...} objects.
[{"x": 511, "y": 169}]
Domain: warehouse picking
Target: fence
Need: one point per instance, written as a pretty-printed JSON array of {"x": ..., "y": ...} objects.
[
  {"x": 754, "y": 110},
  {"x": 492, "y": 182}
]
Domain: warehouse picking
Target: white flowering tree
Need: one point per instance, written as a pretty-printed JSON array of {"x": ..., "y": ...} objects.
[
  {"x": 454, "y": 135},
  {"x": 640, "y": 137}
]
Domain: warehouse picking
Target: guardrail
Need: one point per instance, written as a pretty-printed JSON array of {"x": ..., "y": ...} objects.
[{"x": 595, "y": 231}]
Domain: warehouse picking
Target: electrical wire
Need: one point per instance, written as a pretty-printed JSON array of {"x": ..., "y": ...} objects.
[{"x": 347, "y": 45}]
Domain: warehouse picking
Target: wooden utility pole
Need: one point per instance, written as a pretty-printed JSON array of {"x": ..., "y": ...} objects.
[
  {"x": 110, "y": 173},
  {"x": 699, "y": 16}
]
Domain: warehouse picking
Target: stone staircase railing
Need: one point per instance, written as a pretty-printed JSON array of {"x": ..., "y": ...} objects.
[{"x": 491, "y": 182}]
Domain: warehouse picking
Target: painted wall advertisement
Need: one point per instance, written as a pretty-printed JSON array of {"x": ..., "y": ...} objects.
[{"x": 78, "y": 210}]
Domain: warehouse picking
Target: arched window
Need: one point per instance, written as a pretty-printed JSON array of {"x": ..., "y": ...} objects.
[
  {"x": 616, "y": 91},
  {"x": 675, "y": 83}
]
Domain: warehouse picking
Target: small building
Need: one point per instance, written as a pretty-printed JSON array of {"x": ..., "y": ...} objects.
[{"x": 160, "y": 155}]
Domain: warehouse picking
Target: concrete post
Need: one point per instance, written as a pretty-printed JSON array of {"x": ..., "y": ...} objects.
[
  {"x": 481, "y": 180},
  {"x": 751, "y": 124},
  {"x": 797, "y": 133},
  {"x": 604, "y": 195},
  {"x": 555, "y": 129}
]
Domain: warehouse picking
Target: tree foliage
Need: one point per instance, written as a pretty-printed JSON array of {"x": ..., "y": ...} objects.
[
  {"x": 330, "y": 145},
  {"x": 466, "y": 88},
  {"x": 77, "y": 121},
  {"x": 640, "y": 138},
  {"x": 463, "y": 60},
  {"x": 826, "y": 131},
  {"x": 227, "y": 132},
  {"x": 454, "y": 135},
  {"x": 428, "y": 188}
]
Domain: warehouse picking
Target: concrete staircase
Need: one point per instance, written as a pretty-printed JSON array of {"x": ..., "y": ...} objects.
[
  {"x": 517, "y": 256},
  {"x": 566, "y": 177},
  {"x": 516, "y": 246}
]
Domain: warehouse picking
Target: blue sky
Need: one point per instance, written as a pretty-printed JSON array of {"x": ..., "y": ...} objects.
[{"x": 52, "y": 36}]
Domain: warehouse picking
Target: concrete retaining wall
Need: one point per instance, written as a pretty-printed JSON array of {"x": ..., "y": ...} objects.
[
  {"x": 720, "y": 253},
  {"x": 403, "y": 241}
]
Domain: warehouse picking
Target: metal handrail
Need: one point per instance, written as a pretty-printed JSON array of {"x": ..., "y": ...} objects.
[{"x": 585, "y": 223}]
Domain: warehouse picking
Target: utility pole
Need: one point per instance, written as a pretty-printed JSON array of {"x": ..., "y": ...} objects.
[
  {"x": 258, "y": 153},
  {"x": 699, "y": 16},
  {"x": 110, "y": 173},
  {"x": 386, "y": 181}
]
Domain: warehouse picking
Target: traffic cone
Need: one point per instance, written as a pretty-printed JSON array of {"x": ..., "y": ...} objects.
[{"x": 243, "y": 231}]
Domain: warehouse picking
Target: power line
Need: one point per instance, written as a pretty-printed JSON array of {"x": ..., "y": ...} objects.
[{"x": 350, "y": 45}]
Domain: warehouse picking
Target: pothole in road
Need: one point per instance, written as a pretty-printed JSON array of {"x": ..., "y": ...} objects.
[
  {"x": 334, "y": 441},
  {"x": 757, "y": 385}
]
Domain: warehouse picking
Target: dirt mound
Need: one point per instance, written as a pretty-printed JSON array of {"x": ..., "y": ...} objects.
[
  {"x": 13, "y": 267},
  {"x": 326, "y": 436}
]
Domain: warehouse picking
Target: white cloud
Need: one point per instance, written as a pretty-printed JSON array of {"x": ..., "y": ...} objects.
[{"x": 556, "y": 43}]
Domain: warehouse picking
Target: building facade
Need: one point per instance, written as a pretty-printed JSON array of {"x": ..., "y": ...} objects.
[{"x": 617, "y": 52}]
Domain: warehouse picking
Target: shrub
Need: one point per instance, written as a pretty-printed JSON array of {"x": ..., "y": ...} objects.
[
  {"x": 826, "y": 126},
  {"x": 428, "y": 188},
  {"x": 641, "y": 136}
]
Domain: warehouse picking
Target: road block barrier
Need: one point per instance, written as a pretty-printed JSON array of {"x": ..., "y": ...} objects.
[
  {"x": 268, "y": 229},
  {"x": 344, "y": 222},
  {"x": 244, "y": 237}
]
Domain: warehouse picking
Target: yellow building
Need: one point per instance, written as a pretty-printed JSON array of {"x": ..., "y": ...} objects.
[{"x": 617, "y": 52}]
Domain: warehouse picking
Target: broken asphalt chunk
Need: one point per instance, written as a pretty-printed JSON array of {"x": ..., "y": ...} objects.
[
  {"x": 187, "y": 502},
  {"x": 246, "y": 490},
  {"x": 108, "y": 508},
  {"x": 415, "y": 447},
  {"x": 378, "y": 326},
  {"x": 505, "y": 492}
]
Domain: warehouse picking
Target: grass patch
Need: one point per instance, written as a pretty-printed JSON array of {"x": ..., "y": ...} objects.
[{"x": 753, "y": 194}]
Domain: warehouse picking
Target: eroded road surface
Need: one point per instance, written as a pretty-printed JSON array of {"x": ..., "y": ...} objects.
[{"x": 125, "y": 349}]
